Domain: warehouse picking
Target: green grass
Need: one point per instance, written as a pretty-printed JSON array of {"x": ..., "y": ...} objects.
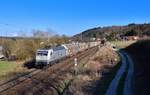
[
  {"x": 6, "y": 67},
  {"x": 122, "y": 44}
]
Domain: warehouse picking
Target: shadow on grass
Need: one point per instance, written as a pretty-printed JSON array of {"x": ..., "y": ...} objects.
[{"x": 30, "y": 64}]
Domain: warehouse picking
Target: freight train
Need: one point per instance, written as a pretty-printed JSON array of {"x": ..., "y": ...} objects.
[{"x": 53, "y": 54}]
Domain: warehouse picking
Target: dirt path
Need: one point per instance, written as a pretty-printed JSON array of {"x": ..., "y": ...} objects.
[
  {"x": 128, "y": 89},
  {"x": 112, "y": 89}
]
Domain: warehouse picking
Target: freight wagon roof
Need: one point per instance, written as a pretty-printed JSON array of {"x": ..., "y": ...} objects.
[
  {"x": 58, "y": 48},
  {"x": 53, "y": 48}
]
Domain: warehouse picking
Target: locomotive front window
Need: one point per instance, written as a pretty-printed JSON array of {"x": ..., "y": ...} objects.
[
  {"x": 39, "y": 54},
  {"x": 42, "y": 54},
  {"x": 45, "y": 54}
]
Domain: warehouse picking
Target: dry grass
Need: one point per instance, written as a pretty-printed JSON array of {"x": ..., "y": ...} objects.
[{"x": 86, "y": 81}]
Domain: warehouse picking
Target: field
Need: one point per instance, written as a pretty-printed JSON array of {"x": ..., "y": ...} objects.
[
  {"x": 6, "y": 67},
  {"x": 122, "y": 44},
  {"x": 10, "y": 69}
]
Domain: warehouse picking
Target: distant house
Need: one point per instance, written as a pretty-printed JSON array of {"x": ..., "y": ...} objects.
[
  {"x": 1, "y": 52},
  {"x": 129, "y": 38},
  {"x": 145, "y": 37},
  {"x": 132, "y": 37}
]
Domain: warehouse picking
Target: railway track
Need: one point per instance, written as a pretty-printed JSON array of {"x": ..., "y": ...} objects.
[
  {"x": 59, "y": 77},
  {"x": 12, "y": 82},
  {"x": 15, "y": 81},
  {"x": 33, "y": 79},
  {"x": 83, "y": 62}
]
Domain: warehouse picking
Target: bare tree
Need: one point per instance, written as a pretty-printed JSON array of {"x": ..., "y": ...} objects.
[
  {"x": 40, "y": 34},
  {"x": 7, "y": 45}
]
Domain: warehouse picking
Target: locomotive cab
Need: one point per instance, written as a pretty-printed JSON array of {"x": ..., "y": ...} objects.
[{"x": 43, "y": 56}]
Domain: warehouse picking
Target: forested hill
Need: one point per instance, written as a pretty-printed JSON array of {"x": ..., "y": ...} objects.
[{"x": 114, "y": 32}]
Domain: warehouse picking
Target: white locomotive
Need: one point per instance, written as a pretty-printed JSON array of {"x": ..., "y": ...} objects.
[{"x": 49, "y": 56}]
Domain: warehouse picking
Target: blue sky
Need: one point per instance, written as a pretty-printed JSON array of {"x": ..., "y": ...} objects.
[{"x": 69, "y": 16}]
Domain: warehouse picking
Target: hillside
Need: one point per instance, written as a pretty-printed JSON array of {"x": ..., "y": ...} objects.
[{"x": 115, "y": 32}]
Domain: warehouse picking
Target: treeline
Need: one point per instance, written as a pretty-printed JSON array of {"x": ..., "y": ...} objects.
[
  {"x": 115, "y": 32},
  {"x": 23, "y": 48}
]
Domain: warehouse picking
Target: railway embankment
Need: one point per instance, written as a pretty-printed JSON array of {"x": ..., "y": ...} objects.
[{"x": 94, "y": 76}]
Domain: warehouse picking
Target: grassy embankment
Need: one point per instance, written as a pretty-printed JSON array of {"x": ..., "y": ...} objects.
[
  {"x": 94, "y": 77},
  {"x": 91, "y": 83},
  {"x": 108, "y": 77}
]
